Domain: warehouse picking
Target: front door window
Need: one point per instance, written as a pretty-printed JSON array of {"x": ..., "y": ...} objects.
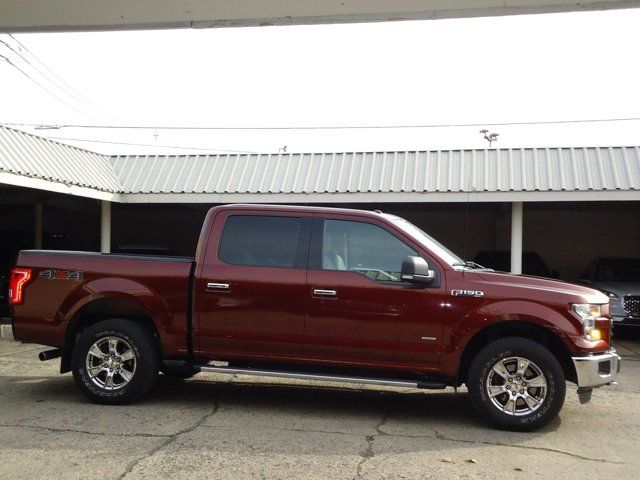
[{"x": 363, "y": 248}]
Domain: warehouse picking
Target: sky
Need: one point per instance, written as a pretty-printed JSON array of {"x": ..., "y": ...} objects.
[{"x": 533, "y": 68}]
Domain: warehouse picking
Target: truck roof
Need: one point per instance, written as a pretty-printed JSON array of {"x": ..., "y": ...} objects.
[{"x": 300, "y": 208}]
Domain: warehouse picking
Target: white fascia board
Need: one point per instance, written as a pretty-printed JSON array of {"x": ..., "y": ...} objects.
[
  {"x": 377, "y": 197},
  {"x": 81, "y": 15},
  {"x": 58, "y": 187}
]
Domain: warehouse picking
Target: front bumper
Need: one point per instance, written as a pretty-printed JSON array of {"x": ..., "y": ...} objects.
[{"x": 594, "y": 371}]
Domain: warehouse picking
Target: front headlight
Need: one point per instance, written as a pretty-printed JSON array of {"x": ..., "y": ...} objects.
[{"x": 588, "y": 312}]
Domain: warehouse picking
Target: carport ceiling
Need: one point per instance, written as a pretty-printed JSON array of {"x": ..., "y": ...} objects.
[{"x": 74, "y": 15}]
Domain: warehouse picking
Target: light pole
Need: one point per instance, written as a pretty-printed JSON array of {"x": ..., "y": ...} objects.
[{"x": 489, "y": 137}]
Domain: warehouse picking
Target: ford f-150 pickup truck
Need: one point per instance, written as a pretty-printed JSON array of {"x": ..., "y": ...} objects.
[{"x": 316, "y": 293}]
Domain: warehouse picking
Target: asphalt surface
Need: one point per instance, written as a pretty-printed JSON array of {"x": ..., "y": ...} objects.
[{"x": 247, "y": 427}]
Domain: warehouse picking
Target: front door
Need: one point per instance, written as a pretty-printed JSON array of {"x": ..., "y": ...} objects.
[
  {"x": 250, "y": 293},
  {"x": 360, "y": 312}
]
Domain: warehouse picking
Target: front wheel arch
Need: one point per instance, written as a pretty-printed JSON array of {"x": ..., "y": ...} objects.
[
  {"x": 517, "y": 328},
  {"x": 535, "y": 395}
]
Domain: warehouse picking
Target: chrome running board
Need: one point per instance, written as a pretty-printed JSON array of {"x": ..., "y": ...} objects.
[{"x": 323, "y": 377}]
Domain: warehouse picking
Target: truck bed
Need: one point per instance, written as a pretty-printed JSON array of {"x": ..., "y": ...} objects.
[{"x": 66, "y": 282}]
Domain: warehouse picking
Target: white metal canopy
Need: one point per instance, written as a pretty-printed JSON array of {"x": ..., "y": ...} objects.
[
  {"x": 78, "y": 15},
  {"x": 483, "y": 175}
]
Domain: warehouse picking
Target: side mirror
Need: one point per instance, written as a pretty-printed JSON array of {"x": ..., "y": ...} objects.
[{"x": 416, "y": 270}]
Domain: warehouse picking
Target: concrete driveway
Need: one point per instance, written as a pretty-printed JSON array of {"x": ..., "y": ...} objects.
[{"x": 213, "y": 427}]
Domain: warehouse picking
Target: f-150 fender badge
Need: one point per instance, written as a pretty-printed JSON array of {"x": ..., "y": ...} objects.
[
  {"x": 467, "y": 293},
  {"x": 61, "y": 275}
]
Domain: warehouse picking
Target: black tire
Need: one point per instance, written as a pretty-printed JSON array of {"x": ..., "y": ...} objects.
[
  {"x": 145, "y": 361},
  {"x": 526, "y": 417}
]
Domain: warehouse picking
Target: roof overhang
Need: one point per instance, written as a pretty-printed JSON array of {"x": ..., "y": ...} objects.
[
  {"x": 86, "y": 15},
  {"x": 17, "y": 180},
  {"x": 315, "y": 198},
  {"x": 383, "y": 197}
]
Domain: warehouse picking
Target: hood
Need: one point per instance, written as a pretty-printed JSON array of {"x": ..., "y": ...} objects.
[
  {"x": 619, "y": 288},
  {"x": 540, "y": 288}
]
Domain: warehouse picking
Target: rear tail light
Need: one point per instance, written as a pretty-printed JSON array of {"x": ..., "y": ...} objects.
[{"x": 18, "y": 280}]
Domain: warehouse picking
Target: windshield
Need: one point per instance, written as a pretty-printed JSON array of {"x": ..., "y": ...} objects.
[
  {"x": 619, "y": 270},
  {"x": 425, "y": 239}
]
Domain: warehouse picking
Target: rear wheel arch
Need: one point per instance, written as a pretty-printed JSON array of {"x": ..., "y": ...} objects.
[
  {"x": 115, "y": 361},
  {"x": 517, "y": 328},
  {"x": 106, "y": 308}
]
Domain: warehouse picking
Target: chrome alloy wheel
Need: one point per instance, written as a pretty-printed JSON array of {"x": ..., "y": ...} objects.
[
  {"x": 111, "y": 363},
  {"x": 516, "y": 386}
]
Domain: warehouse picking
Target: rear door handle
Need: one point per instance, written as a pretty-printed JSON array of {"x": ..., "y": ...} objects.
[
  {"x": 217, "y": 287},
  {"x": 319, "y": 292}
]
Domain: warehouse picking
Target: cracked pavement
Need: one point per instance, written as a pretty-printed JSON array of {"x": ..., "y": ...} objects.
[{"x": 213, "y": 426}]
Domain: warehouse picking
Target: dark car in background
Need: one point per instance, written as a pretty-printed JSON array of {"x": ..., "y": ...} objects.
[
  {"x": 532, "y": 262},
  {"x": 619, "y": 279}
]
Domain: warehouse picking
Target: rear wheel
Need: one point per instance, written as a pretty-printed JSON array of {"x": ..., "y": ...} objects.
[
  {"x": 115, "y": 361},
  {"x": 516, "y": 384}
]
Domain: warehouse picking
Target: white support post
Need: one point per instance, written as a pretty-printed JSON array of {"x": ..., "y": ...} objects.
[
  {"x": 37, "y": 228},
  {"x": 516, "y": 237},
  {"x": 105, "y": 227}
]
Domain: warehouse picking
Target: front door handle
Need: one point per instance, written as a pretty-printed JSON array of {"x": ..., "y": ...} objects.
[
  {"x": 217, "y": 287},
  {"x": 319, "y": 292}
]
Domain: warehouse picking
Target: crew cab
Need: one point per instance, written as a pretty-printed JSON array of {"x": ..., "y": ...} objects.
[{"x": 316, "y": 293}]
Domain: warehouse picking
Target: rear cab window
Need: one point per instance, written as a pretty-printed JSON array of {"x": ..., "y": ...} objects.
[{"x": 264, "y": 241}]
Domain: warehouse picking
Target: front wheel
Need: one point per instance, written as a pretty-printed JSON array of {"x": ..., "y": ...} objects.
[
  {"x": 516, "y": 384},
  {"x": 115, "y": 361}
]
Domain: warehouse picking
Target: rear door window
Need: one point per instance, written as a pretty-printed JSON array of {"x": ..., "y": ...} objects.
[{"x": 261, "y": 241}]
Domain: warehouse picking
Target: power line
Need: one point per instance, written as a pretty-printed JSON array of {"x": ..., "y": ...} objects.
[
  {"x": 28, "y": 62},
  {"x": 58, "y": 81},
  {"x": 150, "y": 145},
  {"x": 46, "y": 77},
  {"x": 322, "y": 127},
  {"x": 61, "y": 100}
]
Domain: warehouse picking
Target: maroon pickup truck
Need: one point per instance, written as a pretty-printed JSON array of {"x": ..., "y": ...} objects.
[{"x": 316, "y": 293}]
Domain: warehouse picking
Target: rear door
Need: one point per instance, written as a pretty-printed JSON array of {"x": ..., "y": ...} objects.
[
  {"x": 360, "y": 312},
  {"x": 250, "y": 294}
]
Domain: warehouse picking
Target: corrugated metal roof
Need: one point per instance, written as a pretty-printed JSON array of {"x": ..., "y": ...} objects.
[
  {"x": 32, "y": 156},
  {"x": 493, "y": 170},
  {"x": 575, "y": 169}
]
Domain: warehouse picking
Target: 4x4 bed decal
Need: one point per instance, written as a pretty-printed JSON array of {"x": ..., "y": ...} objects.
[{"x": 61, "y": 275}]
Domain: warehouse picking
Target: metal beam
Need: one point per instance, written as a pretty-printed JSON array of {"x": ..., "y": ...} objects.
[
  {"x": 105, "y": 226},
  {"x": 516, "y": 237},
  {"x": 86, "y": 15}
]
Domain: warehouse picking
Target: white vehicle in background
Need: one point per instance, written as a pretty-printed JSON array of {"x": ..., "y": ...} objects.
[{"x": 619, "y": 279}]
